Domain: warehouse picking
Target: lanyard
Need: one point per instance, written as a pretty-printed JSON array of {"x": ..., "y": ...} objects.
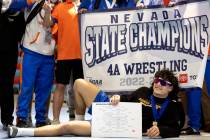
[
  {"x": 157, "y": 114},
  {"x": 110, "y": 5}
]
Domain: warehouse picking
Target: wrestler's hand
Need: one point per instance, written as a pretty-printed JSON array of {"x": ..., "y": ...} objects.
[
  {"x": 153, "y": 132},
  {"x": 171, "y": 4},
  {"x": 140, "y": 5},
  {"x": 115, "y": 99}
]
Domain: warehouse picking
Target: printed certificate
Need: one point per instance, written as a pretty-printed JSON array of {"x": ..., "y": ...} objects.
[{"x": 122, "y": 120}]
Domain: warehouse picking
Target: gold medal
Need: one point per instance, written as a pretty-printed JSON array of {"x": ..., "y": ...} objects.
[{"x": 154, "y": 123}]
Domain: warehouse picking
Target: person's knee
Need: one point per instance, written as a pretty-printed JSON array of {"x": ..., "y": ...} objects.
[
  {"x": 67, "y": 128},
  {"x": 77, "y": 84},
  {"x": 62, "y": 129}
]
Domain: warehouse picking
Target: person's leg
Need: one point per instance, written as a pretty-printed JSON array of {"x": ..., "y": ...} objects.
[
  {"x": 207, "y": 76},
  {"x": 205, "y": 101},
  {"x": 43, "y": 85},
  {"x": 193, "y": 111},
  {"x": 77, "y": 73},
  {"x": 194, "y": 108},
  {"x": 58, "y": 98},
  {"x": 70, "y": 100},
  {"x": 29, "y": 69},
  {"x": 48, "y": 120},
  {"x": 85, "y": 93},
  {"x": 7, "y": 74},
  {"x": 80, "y": 128},
  {"x": 206, "y": 98},
  {"x": 29, "y": 119},
  {"x": 62, "y": 72}
]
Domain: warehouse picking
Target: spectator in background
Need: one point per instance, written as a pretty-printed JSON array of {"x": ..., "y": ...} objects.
[
  {"x": 207, "y": 79},
  {"x": 11, "y": 29},
  {"x": 90, "y": 5},
  {"x": 206, "y": 113},
  {"x": 54, "y": 33},
  {"x": 194, "y": 97},
  {"x": 37, "y": 67}
]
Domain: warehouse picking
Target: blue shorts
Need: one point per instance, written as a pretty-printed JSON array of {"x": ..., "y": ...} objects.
[{"x": 101, "y": 97}]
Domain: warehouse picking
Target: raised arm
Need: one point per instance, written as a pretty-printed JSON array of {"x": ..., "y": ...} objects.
[{"x": 47, "y": 21}]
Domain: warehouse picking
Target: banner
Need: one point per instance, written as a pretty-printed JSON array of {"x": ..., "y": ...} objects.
[{"x": 122, "y": 50}]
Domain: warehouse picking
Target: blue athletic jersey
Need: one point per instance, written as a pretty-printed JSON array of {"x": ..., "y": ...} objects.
[
  {"x": 89, "y": 4},
  {"x": 101, "y": 97}
]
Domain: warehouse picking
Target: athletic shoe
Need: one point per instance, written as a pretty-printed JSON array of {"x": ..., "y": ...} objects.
[
  {"x": 48, "y": 121},
  {"x": 40, "y": 124},
  {"x": 55, "y": 122},
  {"x": 189, "y": 131},
  {"x": 71, "y": 114},
  {"x": 12, "y": 131},
  {"x": 21, "y": 123},
  {"x": 29, "y": 122}
]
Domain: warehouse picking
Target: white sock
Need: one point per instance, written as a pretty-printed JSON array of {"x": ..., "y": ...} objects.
[
  {"x": 79, "y": 117},
  {"x": 25, "y": 132}
]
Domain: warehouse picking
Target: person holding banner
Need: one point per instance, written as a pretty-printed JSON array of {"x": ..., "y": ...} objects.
[
  {"x": 37, "y": 65},
  {"x": 158, "y": 3},
  {"x": 151, "y": 3},
  {"x": 11, "y": 28},
  {"x": 88, "y": 5},
  {"x": 161, "y": 111},
  {"x": 194, "y": 105},
  {"x": 206, "y": 98}
]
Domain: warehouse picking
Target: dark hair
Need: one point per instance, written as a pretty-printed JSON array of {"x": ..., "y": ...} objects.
[{"x": 169, "y": 76}]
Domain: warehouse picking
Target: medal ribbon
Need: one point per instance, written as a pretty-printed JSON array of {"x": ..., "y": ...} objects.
[{"x": 157, "y": 114}]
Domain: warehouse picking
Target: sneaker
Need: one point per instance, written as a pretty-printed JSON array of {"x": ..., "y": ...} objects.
[
  {"x": 55, "y": 122},
  {"x": 21, "y": 123},
  {"x": 40, "y": 124},
  {"x": 29, "y": 122},
  {"x": 48, "y": 121},
  {"x": 71, "y": 114},
  {"x": 189, "y": 131},
  {"x": 12, "y": 131}
]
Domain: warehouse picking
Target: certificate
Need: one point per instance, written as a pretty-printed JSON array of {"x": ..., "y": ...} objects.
[{"x": 122, "y": 120}]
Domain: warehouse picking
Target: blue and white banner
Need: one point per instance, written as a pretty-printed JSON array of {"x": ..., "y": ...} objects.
[{"x": 122, "y": 50}]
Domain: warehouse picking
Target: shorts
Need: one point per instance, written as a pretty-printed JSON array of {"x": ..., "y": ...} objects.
[
  {"x": 101, "y": 97},
  {"x": 67, "y": 68}
]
